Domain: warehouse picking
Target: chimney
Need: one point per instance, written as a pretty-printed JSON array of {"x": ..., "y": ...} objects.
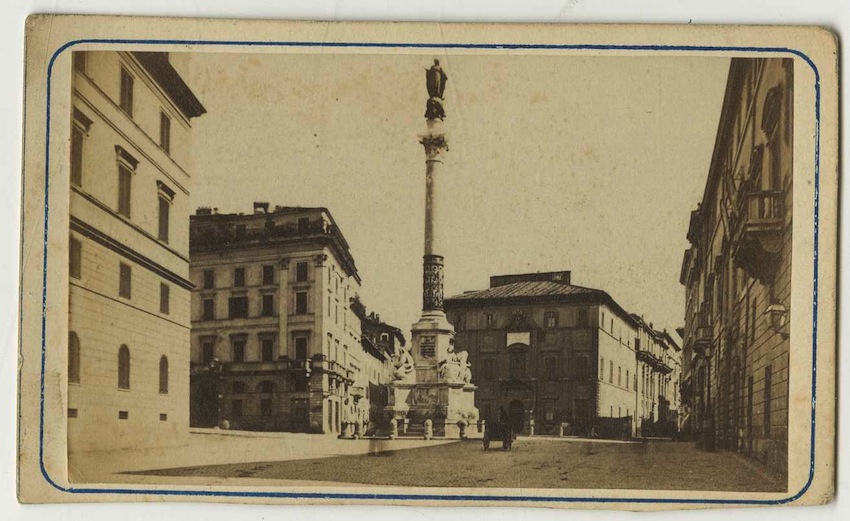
[{"x": 261, "y": 207}]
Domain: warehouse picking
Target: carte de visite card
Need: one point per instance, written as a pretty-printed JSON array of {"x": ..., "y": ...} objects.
[{"x": 444, "y": 264}]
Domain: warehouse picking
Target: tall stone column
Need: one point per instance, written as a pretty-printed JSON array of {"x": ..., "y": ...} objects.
[
  {"x": 432, "y": 386},
  {"x": 434, "y": 142}
]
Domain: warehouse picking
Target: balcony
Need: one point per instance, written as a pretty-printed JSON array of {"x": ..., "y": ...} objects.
[
  {"x": 757, "y": 238},
  {"x": 703, "y": 332}
]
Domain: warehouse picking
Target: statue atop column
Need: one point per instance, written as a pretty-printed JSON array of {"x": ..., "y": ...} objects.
[{"x": 435, "y": 82}]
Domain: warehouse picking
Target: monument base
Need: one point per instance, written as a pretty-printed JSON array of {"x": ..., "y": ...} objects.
[{"x": 438, "y": 389}]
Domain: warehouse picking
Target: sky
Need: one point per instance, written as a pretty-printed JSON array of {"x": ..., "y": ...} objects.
[{"x": 556, "y": 162}]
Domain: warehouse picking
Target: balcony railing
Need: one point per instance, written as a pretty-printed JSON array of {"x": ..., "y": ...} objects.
[
  {"x": 703, "y": 331},
  {"x": 758, "y": 237}
]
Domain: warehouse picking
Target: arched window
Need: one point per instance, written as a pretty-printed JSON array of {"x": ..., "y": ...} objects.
[
  {"x": 123, "y": 367},
  {"x": 163, "y": 375},
  {"x": 73, "y": 358}
]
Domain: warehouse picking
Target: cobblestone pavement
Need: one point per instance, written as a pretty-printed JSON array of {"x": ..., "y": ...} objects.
[{"x": 533, "y": 463}]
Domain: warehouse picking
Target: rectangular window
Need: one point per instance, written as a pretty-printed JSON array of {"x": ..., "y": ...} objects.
[
  {"x": 163, "y": 417},
  {"x": 301, "y": 272},
  {"x": 164, "y": 209},
  {"x": 551, "y": 319},
  {"x": 75, "y": 259},
  {"x": 209, "y": 279},
  {"x": 610, "y": 372},
  {"x": 72, "y": 413},
  {"x": 301, "y": 303},
  {"x": 268, "y": 305},
  {"x": 268, "y": 349},
  {"x": 619, "y": 376},
  {"x": 627, "y": 378},
  {"x": 207, "y": 351},
  {"x": 239, "y": 277},
  {"x": 165, "y": 132},
  {"x": 552, "y": 368},
  {"x": 238, "y": 307},
  {"x": 125, "y": 281},
  {"x": 209, "y": 309},
  {"x": 126, "y": 97},
  {"x": 238, "y": 350},
  {"x": 123, "y": 415},
  {"x": 164, "y": 292},
  {"x": 268, "y": 275},
  {"x": 582, "y": 317},
  {"x": 489, "y": 319},
  {"x": 265, "y": 407},
  {"x": 602, "y": 369},
  {"x": 767, "y": 399},
  {"x": 77, "y": 137},
  {"x": 301, "y": 348},
  {"x": 236, "y": 408},
  {"x": 125, "y": 183}
]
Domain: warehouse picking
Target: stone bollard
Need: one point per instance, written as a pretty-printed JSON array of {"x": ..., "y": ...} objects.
[
  {"x": 429, "y": 429},
  {"x": 531, "y": 427},
  {"x": 393, "y": 429}
]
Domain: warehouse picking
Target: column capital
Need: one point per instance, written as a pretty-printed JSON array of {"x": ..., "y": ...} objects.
[{"x": 434, "y": 144}]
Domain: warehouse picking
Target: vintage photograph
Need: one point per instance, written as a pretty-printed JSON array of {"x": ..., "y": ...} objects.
[
  {"x": 245, "y": 241},
  {"x": 355, "y": 271}
]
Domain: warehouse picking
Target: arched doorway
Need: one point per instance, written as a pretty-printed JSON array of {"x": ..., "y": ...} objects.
[{"x": 516, "y": 413}]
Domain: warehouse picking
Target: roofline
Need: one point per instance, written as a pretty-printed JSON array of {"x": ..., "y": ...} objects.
[
  {"x": 161, "y": 71},
  {"x": 597, "y": 297}
]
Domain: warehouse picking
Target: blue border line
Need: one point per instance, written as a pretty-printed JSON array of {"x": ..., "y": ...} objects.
[{"x": 433, "y": 497}]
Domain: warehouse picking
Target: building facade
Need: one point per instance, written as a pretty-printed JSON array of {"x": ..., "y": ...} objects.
[
  {"x": 658, "y": 380},
  {"x": 737, "y": 271},
  {"x": 552, "y": 352},
  {"x": 276, "y": 323},
  {"x": 130, "y": 177}
]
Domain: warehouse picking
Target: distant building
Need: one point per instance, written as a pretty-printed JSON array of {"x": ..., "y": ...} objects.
[
  {"x": 737, "y": 272},
  {"x": 380, "y": 341},
  {"x": 658, "y": 378},
  {"x": 276, "y": 323},
  {"x": 130, "y": 177},
  {"x": 552, "y": 352}
]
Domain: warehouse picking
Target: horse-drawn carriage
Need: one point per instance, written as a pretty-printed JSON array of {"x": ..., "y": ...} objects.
[{"x": 501, "y": 431}]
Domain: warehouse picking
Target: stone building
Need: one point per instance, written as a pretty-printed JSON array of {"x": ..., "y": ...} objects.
[
  {"x": 737, "y": 271},
  {"x": 549, "y": 351},
  {"x": 381, "y": 342},
  {"x": 130, "y": 177},
  {"x": 276, "y": 323},
  {"x": 658, "y": 378}
]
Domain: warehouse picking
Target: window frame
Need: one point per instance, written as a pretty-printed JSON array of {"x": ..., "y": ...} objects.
[
  {"x": 301, "y": 303},
  {"x": 125, "y": 281},
  {"x": 124, "y": 368},
  {"x": 74, "y": 358},
  {"x": 163, "y": 374},
  {"x": 75, "y": 258},
  {"x": 165, "y": 132},
  {"x": 164, "y": 298},
  {"x": 126, "y": 91}
]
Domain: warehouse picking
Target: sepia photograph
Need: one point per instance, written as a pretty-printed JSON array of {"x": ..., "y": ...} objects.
[{"x": 434, "y": 268}]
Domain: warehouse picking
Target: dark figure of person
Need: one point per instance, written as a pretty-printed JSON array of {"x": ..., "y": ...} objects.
[{"x": 504, "y": 419}]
